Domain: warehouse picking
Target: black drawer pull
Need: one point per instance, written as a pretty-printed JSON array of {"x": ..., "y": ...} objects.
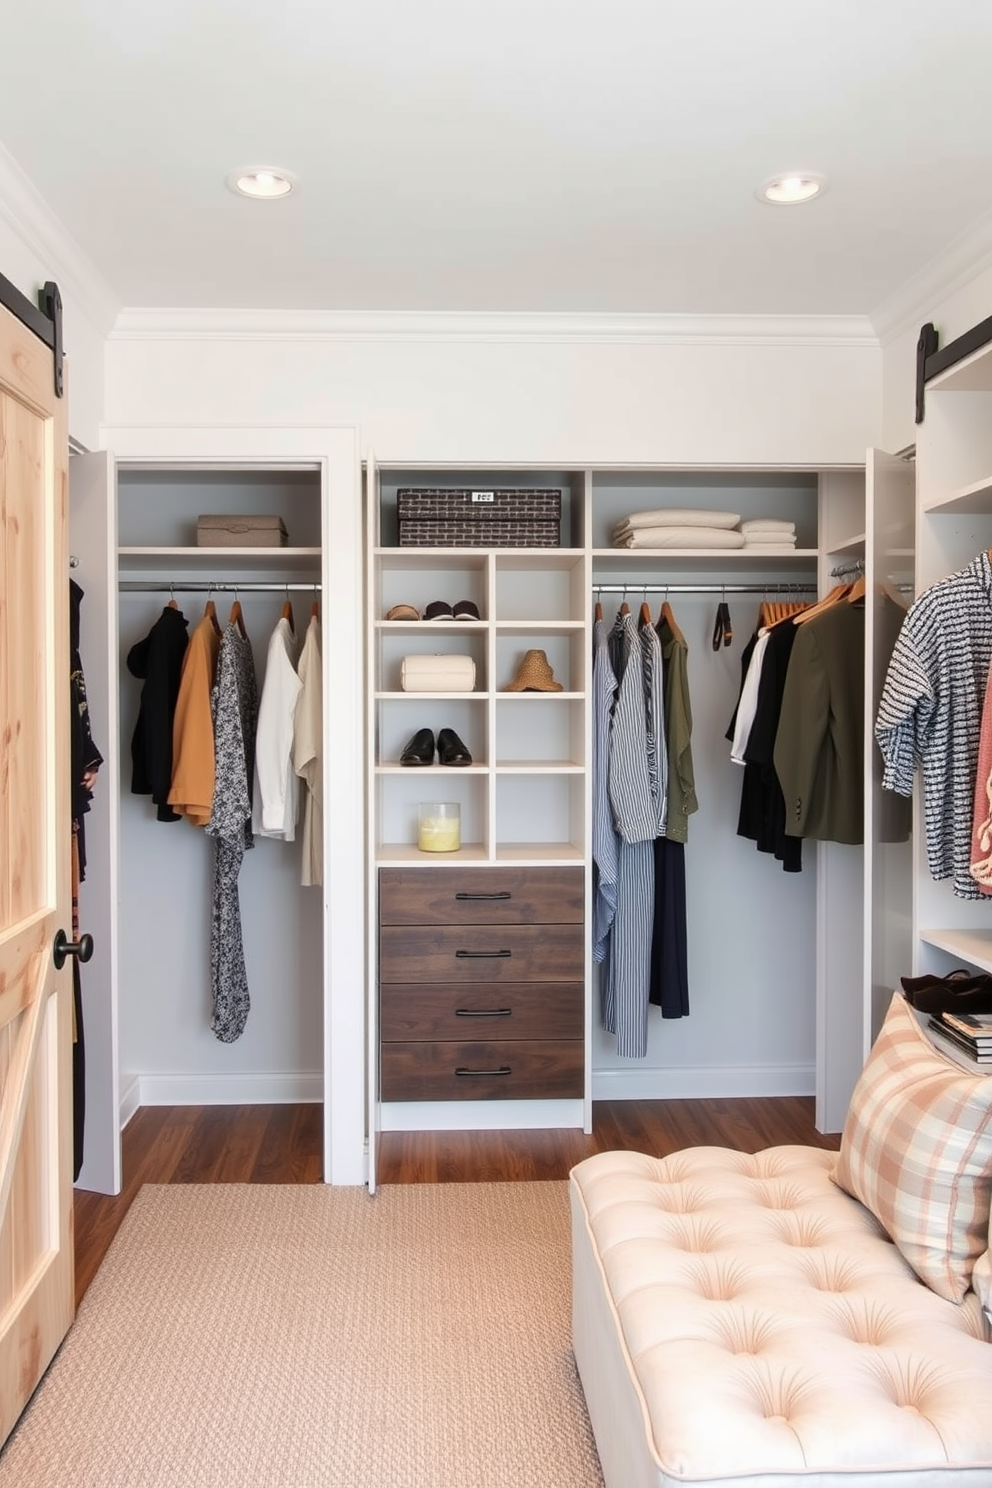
[
  {"x": 481, "y": 955},
  {"x": 503, "y": 1070},
  {"x": 503, "y": 894},
  {"x": 483, "y": 1012}
]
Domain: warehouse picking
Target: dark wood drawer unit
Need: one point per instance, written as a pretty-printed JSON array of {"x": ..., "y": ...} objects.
[
  {"x": 505, "y": 1069},
  {"x": 481, "y": 953},
  {"x": 455, "y": 1010},
  {"x": 481, "y": 983},
  {"x": 481, "y": 896}
]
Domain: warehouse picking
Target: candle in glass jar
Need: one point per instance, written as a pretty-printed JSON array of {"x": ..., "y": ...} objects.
[{"x": 440, "y": 827}]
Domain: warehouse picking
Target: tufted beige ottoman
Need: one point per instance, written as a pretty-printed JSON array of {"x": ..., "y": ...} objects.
[{"x": 740, "y": 1322}]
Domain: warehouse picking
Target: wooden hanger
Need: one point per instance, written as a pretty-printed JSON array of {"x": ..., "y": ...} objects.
[
  {"x": 210, "y": 613},
  {"x": 645, "y": 616},
  {"x": 669, "y": 618},
  {"x": 287, "y": 613},
  {"x": 237, "y": 618},
  {"x": 857, "y": 590},
  {"x": 598, "y": 612},
  {"x": 837, "y": 593},
  {"x": 772, "y": 611}
]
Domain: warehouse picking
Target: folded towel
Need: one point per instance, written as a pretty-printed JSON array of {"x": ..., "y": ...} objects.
[
  {"x": 675, "y": 516},
  {"x": 769, "y": 548},
  {"x": 680, "y": 537},
  {"x": 779, "y": 539},
  {"x": 767, "y": 524}
]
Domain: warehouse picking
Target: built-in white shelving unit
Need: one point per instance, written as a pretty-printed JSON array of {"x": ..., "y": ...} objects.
[{"x": 954, "y": 479}]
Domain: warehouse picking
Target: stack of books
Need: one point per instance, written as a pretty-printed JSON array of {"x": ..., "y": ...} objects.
[{"x": 967, "y": 1034}]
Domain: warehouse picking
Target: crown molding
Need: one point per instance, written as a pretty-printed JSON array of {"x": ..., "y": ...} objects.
[
  {"x": 914, "y": 302},
  {"x": 32, "y": 221},
  {"x": 135, "y": 324}
]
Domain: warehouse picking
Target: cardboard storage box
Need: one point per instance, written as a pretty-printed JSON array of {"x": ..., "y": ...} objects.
[{"x": 240, "y": 532}]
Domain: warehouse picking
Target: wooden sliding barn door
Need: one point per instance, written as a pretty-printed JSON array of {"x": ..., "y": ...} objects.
[{"x": 36, "y": 1262}]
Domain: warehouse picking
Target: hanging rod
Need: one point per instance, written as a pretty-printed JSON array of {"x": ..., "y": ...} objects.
[
  {"x": 779, "y": 588},
  {"x": 851, "y": 566},
  {"x": 182, "y": 586}
]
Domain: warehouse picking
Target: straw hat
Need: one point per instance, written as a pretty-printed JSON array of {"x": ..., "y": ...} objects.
[{"x": 534, "y": 674}]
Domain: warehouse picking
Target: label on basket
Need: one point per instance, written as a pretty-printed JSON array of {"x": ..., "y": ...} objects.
[{"x": 484, "y": 496}]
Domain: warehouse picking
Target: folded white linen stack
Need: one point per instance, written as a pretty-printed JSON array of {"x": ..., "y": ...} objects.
[
  {"x": 678, "y": 527},
  {"x": 770, "y": 534}
]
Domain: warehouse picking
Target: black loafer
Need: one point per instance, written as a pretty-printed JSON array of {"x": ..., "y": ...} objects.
[
  {"x": 420, "y": 750},
  {"x": 451, "y": 750}
]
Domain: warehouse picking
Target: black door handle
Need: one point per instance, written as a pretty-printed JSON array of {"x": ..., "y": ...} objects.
[
  {"x": 61, "y": 948},
  {"x": 503, "y": 894},
  {"x": 482, "y": 955}
]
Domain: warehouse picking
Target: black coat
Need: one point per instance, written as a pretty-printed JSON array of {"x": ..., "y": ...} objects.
[{"x": 158, "y": 659}]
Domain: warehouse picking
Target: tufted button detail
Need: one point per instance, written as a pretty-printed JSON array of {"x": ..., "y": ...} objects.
[{"x": 751, "y": 1291}]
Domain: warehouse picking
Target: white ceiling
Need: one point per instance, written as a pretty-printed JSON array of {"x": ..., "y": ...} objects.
[{"x": 504, "y": 155}]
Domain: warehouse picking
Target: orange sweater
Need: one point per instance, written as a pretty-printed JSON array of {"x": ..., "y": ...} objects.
[{"x": 192, "y": 792}]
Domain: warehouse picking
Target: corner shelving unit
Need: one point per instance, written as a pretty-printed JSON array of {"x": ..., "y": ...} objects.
[{"x": 954, "y": 496}]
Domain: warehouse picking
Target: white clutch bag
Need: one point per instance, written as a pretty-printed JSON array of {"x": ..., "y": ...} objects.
[{"x": 439, "y": 673}]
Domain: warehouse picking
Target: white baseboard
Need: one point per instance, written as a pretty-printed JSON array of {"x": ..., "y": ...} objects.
[
  {"x": 242, "y": 1089},
  {"x": 704, "y": 1082},
  {"x": 516, "y": 1115},
  {"x": 130, "y": 1097}
]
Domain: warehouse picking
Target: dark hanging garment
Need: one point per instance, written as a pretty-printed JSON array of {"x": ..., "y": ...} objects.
[
  {"x": 669, "y": 948},
  {"x": 84, "y": 759},
  {"x": 762, "y": 813},
  {"x": 158, "y": 661},
  {"x": 83, "y": 753}
]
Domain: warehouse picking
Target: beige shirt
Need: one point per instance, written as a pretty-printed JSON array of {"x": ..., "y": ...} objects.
[{"x": 308, "y": 753}]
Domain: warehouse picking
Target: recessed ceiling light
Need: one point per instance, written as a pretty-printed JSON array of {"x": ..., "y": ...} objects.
[
  {"x": 261, "y": 183},
  {"x": 791, "y": 189}
]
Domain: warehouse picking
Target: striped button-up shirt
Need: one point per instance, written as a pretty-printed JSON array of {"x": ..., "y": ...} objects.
[{"x": 930, "y": 712}]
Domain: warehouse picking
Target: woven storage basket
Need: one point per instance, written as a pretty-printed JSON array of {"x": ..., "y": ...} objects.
[
  {"x": 430, "y": 517},
  {"x": 226, "y": 531}
]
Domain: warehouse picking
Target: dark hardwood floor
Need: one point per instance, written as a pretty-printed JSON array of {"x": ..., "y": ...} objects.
[{"x": 282, "y": 1144}]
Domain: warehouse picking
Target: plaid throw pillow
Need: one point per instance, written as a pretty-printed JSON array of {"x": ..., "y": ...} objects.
[{"x": 917, "y": 1151}]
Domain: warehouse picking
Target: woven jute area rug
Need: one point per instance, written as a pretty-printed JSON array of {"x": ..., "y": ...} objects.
[{"x": 242, "y": 1336}]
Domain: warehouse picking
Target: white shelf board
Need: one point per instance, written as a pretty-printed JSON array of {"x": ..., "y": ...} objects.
[
  {"x": 545, "y": 853},
  {"x": 703, "y": 558},
  {"x": 976, "y": 497},
  {"x": 395, "y": 768},
  {"x": 217, "y": 560},
  {"x": 530, "y": 697},
  {"x": 413, "y": 697},
  {"x": 853, "y": 544},
  {"x": 402, "y": 854},
  {"x": 973, "y": 946},
  {"x": 400, "y": 560},
  {"x": 538, "y": 767},
  {"x": 419, "y": 627},
  {"x": 550, "y": 627}
]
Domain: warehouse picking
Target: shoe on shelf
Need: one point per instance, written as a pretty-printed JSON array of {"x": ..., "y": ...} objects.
[
  {"x": 439, "y": 609},
  {"x": 465, "y": 609},
  {"x": 420, "y": 750},
  {"x": 403, "y": 612},
  {"x": 451, "y": 750},
  {"x": 959, "y": 974},
  {"x": 976, "y": 997}
]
